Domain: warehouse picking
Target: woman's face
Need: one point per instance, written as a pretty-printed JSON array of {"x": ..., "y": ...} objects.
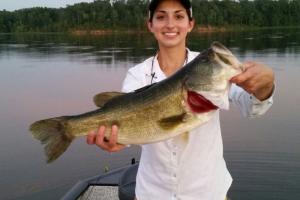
[{"x": 170, "y": 24}]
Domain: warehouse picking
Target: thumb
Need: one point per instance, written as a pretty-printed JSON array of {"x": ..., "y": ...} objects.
[{"x": 245, "y": 75}]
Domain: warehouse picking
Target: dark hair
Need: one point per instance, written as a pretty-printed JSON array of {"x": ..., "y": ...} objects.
[{"x": 185, "y": 3}]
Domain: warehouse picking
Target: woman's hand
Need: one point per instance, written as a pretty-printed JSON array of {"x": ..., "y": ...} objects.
[
  {"x": 97, "y": 137},
  {"x": 257, "y": 79}
]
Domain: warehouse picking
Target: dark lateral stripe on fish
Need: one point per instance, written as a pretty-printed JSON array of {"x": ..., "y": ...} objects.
[{"x": 199, "y": 104}]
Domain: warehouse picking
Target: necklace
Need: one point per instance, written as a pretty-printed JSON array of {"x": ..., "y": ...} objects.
[{"x": 152, "y": 65}]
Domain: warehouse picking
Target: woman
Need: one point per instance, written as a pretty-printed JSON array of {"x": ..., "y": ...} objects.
[{"x": 196, "y": 170}]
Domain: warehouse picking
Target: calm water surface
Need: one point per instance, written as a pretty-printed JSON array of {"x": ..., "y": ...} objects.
[{"x": 42, "y": 76}]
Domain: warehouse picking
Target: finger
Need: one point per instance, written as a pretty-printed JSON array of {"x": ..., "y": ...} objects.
[
  {"x": 90, "y": 139},
  {"x": 249, "y": 85},
  {"x": 100, "y": 136},
  {"x": 241, "y": 78},
  {"x": 117, "y": 147},
  {"x": 113, "y": 136},
  {"x": 248, "y": 64},
  {"x": 250, "y": 71}
]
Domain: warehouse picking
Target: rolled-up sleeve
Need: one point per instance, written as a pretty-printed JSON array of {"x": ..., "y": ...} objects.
[{"x": 248, "y": 104}]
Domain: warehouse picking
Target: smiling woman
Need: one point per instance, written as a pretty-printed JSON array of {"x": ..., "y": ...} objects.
[{"x": 167, "y": 169}]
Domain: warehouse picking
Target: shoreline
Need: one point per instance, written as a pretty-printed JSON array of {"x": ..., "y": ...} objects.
[
  {"x": 198, "y": 29},
  {"x": 100, "y": 32}
]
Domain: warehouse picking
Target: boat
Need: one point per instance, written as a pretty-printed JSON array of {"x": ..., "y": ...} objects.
[{"x": 118, "y": 184}]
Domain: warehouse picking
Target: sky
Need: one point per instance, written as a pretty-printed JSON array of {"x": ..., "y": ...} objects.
[{"x": 11, "y": 5}]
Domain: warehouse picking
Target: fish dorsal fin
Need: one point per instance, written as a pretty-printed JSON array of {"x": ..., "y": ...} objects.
[
  {"x": 102, "y": 98},
  {"x": 172, "y": 122}
]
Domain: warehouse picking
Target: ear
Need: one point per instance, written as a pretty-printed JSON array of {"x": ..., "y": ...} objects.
[
  {"x": 149, "y": 25},
  {"x": 191, "y": 25}
]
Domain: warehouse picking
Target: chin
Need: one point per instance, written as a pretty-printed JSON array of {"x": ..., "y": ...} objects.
[{"x": 170, "y": 43}]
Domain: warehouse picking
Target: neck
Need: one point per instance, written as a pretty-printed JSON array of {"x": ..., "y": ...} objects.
[{"x": 171, "y": 59}]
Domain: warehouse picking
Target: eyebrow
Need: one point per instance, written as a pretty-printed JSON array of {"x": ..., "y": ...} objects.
[{"x": 176, "y": 11}]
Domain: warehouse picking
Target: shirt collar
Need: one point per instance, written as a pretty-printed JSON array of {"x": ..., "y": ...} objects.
[{"x": 159, "y": 74}]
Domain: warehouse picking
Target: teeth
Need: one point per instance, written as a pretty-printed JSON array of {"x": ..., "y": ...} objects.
[{"x": 170, "y": 34}]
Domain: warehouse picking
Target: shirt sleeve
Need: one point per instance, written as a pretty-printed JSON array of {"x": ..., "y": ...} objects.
[
  {"x": 248, "y": 104},
  {"x": 132, "y": 81}
]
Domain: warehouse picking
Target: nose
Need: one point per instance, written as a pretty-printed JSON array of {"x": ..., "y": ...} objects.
[{"x": 170, "y": 22}]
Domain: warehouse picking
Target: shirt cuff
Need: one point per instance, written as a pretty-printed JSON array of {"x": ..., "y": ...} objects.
[{"x": 259, "y": 107}]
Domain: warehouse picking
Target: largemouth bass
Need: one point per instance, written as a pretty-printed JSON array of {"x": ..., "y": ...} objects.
[{"x": 154, "y": 113}]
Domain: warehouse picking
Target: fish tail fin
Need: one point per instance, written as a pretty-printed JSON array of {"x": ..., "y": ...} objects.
[{"x": 53, "y": 134}]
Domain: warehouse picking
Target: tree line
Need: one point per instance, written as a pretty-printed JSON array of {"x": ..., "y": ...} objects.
[{"x": 132, "y": 15}]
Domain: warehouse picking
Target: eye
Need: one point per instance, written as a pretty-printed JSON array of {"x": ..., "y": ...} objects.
[
  {"x": 160, "y": 17},
  {"x": 179, "y": 17}
]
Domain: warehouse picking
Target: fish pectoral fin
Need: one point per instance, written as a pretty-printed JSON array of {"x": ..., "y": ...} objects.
[
  {"x": 172, "y": 122},
  {"x": 102, "y": 98}
]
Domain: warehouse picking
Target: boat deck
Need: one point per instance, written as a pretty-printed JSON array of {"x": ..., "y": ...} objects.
[
  {"x": 100, "y": 192},
  {"x": 106, "y": 186}
]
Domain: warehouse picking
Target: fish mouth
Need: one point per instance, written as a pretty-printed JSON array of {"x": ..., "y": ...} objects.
[
  {"x": 225, "y": 57},
  {"x": 198, "y": 103}
]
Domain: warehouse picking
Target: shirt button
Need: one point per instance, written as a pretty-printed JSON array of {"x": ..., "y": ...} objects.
[
  {"x": 174, "y": 175},
  {"x": 174, "y": 153}
]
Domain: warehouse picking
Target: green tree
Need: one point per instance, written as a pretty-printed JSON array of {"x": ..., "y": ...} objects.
[{"x": 132, "y": 14}]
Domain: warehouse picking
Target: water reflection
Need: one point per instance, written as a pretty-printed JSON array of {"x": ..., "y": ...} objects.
[{"x": 51, "y": 75}]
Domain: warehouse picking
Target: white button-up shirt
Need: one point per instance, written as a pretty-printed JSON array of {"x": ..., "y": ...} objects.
[{"x": 169, "y": 170}]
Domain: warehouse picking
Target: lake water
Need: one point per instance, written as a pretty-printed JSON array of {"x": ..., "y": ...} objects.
[{"x": 43, "y": 76}]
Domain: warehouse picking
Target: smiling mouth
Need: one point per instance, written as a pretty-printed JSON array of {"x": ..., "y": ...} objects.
[{"x": 170, "y": 34}]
